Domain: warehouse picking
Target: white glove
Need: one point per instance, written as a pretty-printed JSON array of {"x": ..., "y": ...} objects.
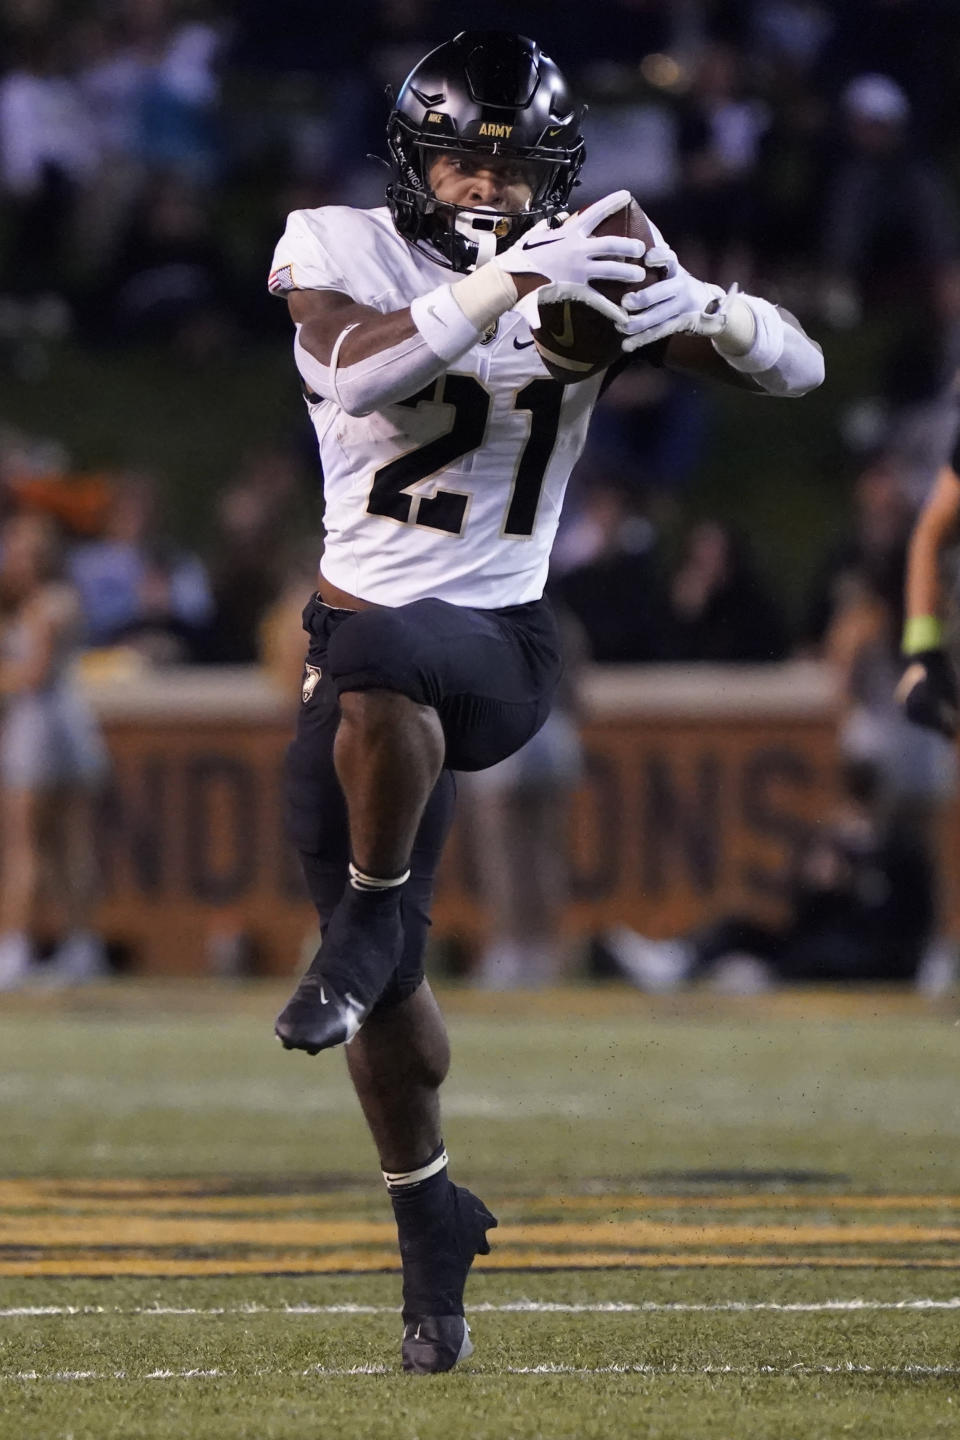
[
  {"x": 569, "y": 254},
  {"x": 679, "y": 303}
]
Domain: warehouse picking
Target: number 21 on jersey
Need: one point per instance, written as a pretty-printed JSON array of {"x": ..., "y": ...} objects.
[{"x": 468, "y": 404}]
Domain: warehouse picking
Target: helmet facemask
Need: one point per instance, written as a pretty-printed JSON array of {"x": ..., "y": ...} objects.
[{"x": 465, "y": 237}]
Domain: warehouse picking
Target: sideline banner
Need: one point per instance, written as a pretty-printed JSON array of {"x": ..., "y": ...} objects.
[{"x": 698, "y": 787}]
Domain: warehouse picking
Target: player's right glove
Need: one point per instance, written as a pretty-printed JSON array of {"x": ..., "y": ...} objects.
[
  {"x": 569, "y": 254},
  {"x": 927, "y": 690}
]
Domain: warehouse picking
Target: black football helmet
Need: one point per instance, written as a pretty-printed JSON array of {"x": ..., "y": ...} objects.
[{"x": 485, "y": 91}]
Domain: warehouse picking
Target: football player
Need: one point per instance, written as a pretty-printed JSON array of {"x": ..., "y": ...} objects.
[
  {"x": 927, "y": 689},
  {"x": 445, "y": 449}
]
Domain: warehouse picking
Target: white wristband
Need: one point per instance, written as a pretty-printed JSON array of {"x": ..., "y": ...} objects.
[
  {"x": 767, "y": 346},
  {"x": 443, "y": 324},
  {"x": 452, "y": 318}
]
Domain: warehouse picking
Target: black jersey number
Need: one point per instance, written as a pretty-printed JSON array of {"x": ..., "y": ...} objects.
[{"x": 468, "y": 404}]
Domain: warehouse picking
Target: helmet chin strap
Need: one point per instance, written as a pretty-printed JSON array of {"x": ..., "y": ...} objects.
[{"x": 478, "y": 227}]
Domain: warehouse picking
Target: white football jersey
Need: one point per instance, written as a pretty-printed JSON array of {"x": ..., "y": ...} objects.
[{"x": 455, "y": 492}]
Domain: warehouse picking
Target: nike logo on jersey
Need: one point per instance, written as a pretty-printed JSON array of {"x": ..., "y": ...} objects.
[
  {"x": 564, "y": 337},
  {"x": 537, "y": 243},
  {"x": 522, "y": 344}
]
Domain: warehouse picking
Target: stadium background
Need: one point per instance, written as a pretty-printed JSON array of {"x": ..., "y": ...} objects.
[
  {"x": 150, "y": 153},
  {"x": 650, "y": 1156}
]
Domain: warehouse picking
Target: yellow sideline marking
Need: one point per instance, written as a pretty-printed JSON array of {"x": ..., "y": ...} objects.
[
  {"x": 194, "y": 1196},
  {"x": 90, "y": 1230},
  {"x": 141, "y": 1227},
  {"x": 354, "y": 1261}
]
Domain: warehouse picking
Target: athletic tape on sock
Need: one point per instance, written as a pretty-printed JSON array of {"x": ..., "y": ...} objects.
[
  {"x": 402, "y": 1178},
  {"x": 360, "y": 881}
]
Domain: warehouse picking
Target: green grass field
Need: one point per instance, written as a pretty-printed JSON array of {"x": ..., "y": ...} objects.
[{"x": 717, "y": 1220}]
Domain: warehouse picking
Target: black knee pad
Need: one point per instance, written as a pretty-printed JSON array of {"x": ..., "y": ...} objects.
[{"x": 376, "y": 650}]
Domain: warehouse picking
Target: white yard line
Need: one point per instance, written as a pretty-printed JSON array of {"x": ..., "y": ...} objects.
[
  {"x": 325, "y": 1372},
  {"x": 510, "y": 1307}
]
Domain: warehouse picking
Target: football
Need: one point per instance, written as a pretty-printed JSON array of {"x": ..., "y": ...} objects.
[{"x": 574, "y": 341}]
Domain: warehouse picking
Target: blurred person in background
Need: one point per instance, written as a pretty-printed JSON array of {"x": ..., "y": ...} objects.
[
  {"x": 515, "y": 815},
  {"x": 431, "y": 647},
  {"x": 652, "y": 425},
  {"x": 915, "y": 409},
  {"x": 721, "y": 129},
  {"x": 720, "y": 608},
  {"x": 860, "y": 910},
  {"x": 257, "y": 517},
  {"x": 917, "y": 769},
  {"x": 609, "y": 578},
  {"x": 48, "y": 154},
  {"x": 171, "y": 281},
  {"x": 280, "y": 631},
  {"x": 928, "y": 689},
  {"x": 52, "y": 760},
  {"x": 136, "y": 587},
  {"x": 871, "y": 552},
  {"x": 889, "y": 216}
]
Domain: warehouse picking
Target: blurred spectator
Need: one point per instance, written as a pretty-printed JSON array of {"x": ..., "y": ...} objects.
[
  {"x": 171, "y": 281},
  {"x": 155, "y": 87},
  {"x": 515, "y": 816},
  {"x": 280, "y": 637},
  {"x": 51, "y": 761},
  {"x": 790, "y": 179},
  {"x": 871, "y": 556},
  {"x": 256, "y": 518},
  {"x": 136, "y": 587},
  {"x": 916, "y": 414},
  {"x": 916, "y": 769},
  {"x": 861, "y": 910},
  {"x": 790, "y": 35},
  {"x": 652, "y": 421},
  {"x": 633, "y": 144},
  {"x": 889, "y": 214},
  {"x": 36, "y": 474},
  {"x": 721, "y": 127},
  {"x": 720, "y": 608},
  {"x": 615, "y": 591},
  {"x": 48, "y": 151}
]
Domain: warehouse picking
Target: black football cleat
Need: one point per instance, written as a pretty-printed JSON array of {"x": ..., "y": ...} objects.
[
  {"x": 361, "y": 948},
  {"x": 435, "y": 1343},
  {"x": 316, "y": 1019}
]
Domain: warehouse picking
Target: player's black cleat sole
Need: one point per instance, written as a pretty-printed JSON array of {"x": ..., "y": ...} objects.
[
  {"x": 316, "y": 1019},
  {"x": 434, "y": 1343}
]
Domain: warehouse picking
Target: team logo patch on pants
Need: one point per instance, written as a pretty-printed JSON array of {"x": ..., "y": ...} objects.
[{"x": 311, "y": 675}]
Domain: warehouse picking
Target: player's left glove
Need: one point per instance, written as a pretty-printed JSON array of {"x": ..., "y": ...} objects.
[
  {"x": 928, "y": 692},
  {"x": 677, "y": 304}
]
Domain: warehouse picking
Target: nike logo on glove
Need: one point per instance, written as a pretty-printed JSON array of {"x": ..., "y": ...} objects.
[
  {"x": 564, "y": 337},
  {"x": 522, "y": 344},
  {"x": 537, "y": 243}
]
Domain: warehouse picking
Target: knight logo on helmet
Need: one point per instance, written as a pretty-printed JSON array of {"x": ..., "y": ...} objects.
[{"x": 485, "y": 92}]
